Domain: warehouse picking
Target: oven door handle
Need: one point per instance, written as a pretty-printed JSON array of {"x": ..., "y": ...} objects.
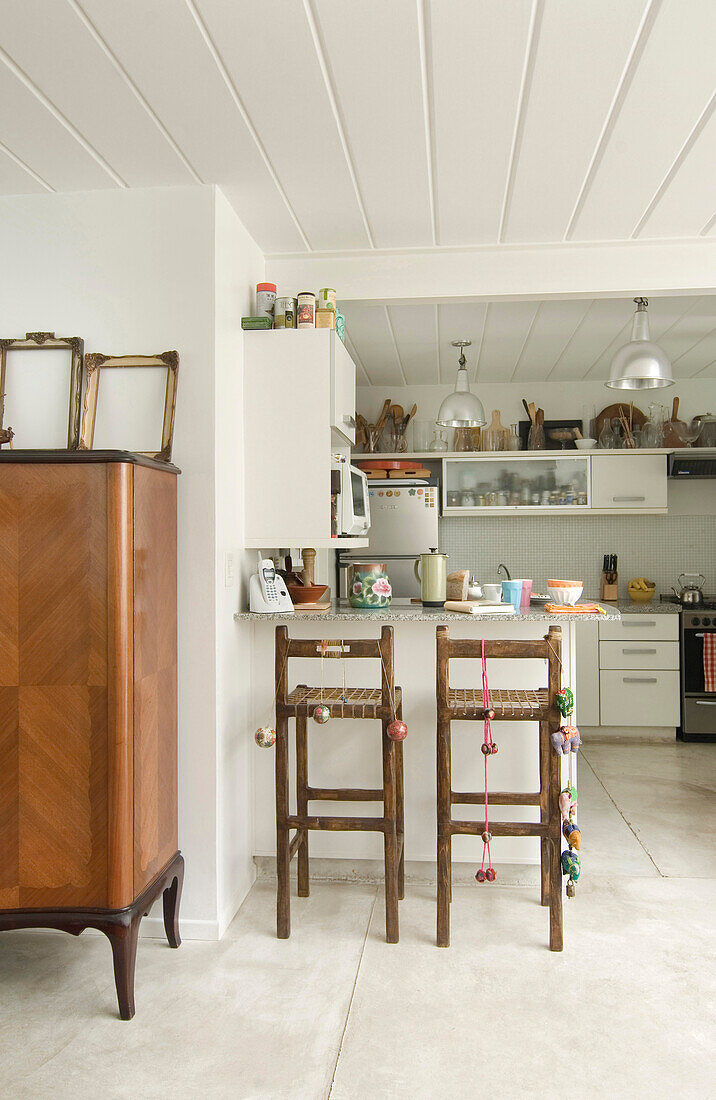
[
  {"x": 704, "y": 634},
  {"x": 705, "y": 702}
]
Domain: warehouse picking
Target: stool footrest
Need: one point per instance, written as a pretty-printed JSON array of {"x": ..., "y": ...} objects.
[
  {"x": 343, "y": 794},
  {"x": 497, "y": 828},
  {"x": 494, "y": 798},
  {"x": 340, "y": 824}
]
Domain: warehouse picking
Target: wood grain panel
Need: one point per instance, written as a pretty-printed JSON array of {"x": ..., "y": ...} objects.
[
  {"x": 63, "y": 574},
  {"x": 9, "y": 798},
  {"x": 9, "y": 506},
  {"x": 62, "y": 796},
  {"x": 155, "y": 672}
]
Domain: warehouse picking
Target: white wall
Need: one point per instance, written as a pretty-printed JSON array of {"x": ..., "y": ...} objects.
[{"x": 145, "y": 271}]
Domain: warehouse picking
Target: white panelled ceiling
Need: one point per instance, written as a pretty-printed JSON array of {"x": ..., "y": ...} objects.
[
  {"x": 337, "y": 125},
  {"x": 548, "y": 341}
]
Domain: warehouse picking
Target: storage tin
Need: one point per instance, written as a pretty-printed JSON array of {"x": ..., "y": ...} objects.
[
  {"x": 284, "y": 313},
  {"x": 325, "y": 318},
  {"x": 327, "y": 298},
  {"x": 306, "y": 309},
  {"x": 265, "y": 298}
]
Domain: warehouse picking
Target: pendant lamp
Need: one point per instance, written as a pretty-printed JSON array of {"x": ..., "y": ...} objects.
[
  {"x": 461, "y": 409},
  {"x": 640, "y": 364}
]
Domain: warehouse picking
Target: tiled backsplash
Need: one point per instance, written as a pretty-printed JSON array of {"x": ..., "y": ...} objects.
[{"x": 538, "y": 547}]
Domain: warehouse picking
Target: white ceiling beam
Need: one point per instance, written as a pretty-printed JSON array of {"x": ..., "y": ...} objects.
[
  {"x": 525, "y": 86},
  {"x": 507, "y": 272},
  {"x": 426, "y": 82}
]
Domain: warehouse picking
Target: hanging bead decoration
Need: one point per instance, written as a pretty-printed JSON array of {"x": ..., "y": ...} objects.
[
  {"x": 397, "y": 730},
  {"x": 566, "y": 742},
  {"x": 265, "y": 737},
  {"x": 322, "y": 713},
  {"x": 488, "y": 747}
]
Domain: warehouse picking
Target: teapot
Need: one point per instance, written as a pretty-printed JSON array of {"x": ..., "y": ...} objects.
[{"x": 690, "y": 592}]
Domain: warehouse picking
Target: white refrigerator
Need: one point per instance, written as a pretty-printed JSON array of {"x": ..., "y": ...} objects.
[{"x": 403, "y": 525}]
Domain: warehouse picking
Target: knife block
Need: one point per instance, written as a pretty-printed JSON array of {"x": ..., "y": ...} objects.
[{"x": 608, "y": 590}]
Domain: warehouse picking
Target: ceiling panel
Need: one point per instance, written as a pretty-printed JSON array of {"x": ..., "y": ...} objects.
[
  {"x": 14, "y": 179},
  {"x": 43, "y": 143},
  {"x": 554, "y": 325},
  {"x": 569, "y": 99},
  {"x": 70, "y": 68},
  {"x": 687, "y": 202},
  {"x": 415, "y": 331},
  {"x": 478, "y": 51},
  {"x": 292, "y": 114},
  {"x": 383, "y": 115},
  {"x": 162, "y": 50},
  {"x": 670, "y": 87},
  {"x": 460, "y": 321},
  {"x": 369, "y": 331},
  {"x": 507, "y": 326},
  {"x": 699, "y": 357}
]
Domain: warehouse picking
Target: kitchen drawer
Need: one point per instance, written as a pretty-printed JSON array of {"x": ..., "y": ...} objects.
[
  {"x": 639, "y": 698},
  {"x": 629, "y": 482},
  {"x": 643, "y": 653},
  {"x": 637, "y": 628}
]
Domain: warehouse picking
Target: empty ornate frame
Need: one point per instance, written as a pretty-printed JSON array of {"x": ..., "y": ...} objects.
[
  {"x": 94, "y": 363},
  {"x": 45, "y": 341}
]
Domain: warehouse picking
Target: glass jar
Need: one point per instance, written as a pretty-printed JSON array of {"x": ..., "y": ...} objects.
[
  {"x": 468, "y": 499},
  {"x": 439, "y": 442}
]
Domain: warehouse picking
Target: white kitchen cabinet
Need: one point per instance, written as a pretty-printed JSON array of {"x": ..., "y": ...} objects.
[
  {"x": 640, "y": 627},
  {"x": 515, "y": 484},
  {"x": 639, "y": 697},
  {"x": 629, "y": 482},
  {"x": 299, "y": 390},
  {"x": 643, "y": 654}
]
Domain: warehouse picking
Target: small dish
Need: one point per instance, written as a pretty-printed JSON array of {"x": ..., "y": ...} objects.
[
  {"x": 585, "y": 444},
  {"x": 306, "y": 593}
]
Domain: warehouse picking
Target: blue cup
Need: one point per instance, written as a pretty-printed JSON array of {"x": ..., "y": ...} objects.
[{"x": 512, "y": 593}]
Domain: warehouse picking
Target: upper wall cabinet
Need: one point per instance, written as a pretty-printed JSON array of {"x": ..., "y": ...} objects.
[
  {"x": 299, "y": 404},
  {"x": 629, "y": 482}
]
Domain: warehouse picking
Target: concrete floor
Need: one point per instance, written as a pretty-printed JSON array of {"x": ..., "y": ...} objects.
[{"x": 626, "y": 1011}]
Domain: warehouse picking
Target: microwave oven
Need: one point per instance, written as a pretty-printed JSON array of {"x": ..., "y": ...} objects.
[{"x": 353, "y": 503}]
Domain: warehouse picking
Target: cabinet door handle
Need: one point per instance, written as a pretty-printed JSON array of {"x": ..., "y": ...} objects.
[
  {"x": 638, "y": 651},
  {"x": 349, "y": 420},
  {"x": 639, "y": 679},
  {"x": 645, "y": 622},
  {"x": 628, "y": 499},
  {"x": 706, "y": 702}
]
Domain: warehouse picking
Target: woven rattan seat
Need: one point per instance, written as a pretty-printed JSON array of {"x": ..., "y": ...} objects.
[
  {"x": 509, "y": 704},
  {"x": 351, "y": 703}
]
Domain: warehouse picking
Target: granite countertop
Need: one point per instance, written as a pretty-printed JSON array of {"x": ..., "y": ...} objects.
[
  {"x": 406, "y": 612},
  {"x": 654, "y": 607}
]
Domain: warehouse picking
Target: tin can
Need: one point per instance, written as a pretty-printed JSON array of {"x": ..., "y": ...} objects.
[
  {"x": 327, "y": 298},
  {"x": 265, "y": 298},
  {"x": 325, "y": 318},
  {"x": 306, "y": 309},
  {"x": 284, "y": 313},
  {"x": 341, "y": 325}
]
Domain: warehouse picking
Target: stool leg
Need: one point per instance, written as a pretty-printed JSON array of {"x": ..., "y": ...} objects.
[
  {"x": 555, "y": 843},
  {"x": 401, "y": 814},
  {"x": 390, "y": 837},
  {"x": 444, "y": 836},
  {"x": 302, "y": 803},
  {"x": 545, "y": 750},
  {"x": 283, "y": 858}
]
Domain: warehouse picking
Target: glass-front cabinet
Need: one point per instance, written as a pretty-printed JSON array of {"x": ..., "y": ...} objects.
[{"x": 473, "y": 485}]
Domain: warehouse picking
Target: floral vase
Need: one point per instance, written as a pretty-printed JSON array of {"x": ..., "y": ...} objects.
[{"x": 368, "y": 585}]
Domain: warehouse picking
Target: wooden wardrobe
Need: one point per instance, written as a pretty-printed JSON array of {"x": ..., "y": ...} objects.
[{"x": 88, "y": 696}]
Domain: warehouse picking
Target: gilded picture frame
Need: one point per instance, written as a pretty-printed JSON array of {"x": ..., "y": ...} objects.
[
  {"x": 95, "y": 363},
  {"x": 47, "y": 341}
]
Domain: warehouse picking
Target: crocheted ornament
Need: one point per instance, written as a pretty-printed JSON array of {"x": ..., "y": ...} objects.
[
  {"x": 321, "y": 714},
  {"x": 564, "y": 699},
  {"x": 265, "y": 737},
  {"x": 566, "y": 739},
  {"x": 490, "y": 874},
  {"x": 480, "y": 875},
  {"x": 570, "y": 864},
  {"x": 572, "y": 834},
  {"x": 568, "y": 802},
  {"x": 397, "y": 730}
]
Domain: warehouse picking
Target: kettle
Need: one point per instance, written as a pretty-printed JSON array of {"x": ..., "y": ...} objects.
[
  {"x": 690, "y": 593},
  {"x": 433, "y": 582}
]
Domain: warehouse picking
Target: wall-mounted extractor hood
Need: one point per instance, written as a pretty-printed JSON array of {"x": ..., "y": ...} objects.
[{"x": 692, "y": 463}]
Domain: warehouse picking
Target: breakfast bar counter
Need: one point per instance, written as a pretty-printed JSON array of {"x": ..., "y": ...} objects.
[{"x": 342, "y": 749}]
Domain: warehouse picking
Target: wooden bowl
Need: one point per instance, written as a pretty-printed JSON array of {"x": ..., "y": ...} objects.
[{"x": 306, "y": 593}]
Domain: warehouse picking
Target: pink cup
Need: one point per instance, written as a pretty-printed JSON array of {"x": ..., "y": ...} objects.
[{"x": 526, "y": 593}]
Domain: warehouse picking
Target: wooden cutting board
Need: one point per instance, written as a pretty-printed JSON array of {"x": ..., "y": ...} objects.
[{"x": 612, "y": 411}]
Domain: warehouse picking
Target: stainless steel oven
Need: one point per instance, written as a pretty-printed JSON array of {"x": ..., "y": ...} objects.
[{"x": 698, "y": 706}]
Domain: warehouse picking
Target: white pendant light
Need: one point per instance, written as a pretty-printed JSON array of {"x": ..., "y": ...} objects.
[
  {"x": 461, "y": 409},
  {"x": 640, "y": 364}
]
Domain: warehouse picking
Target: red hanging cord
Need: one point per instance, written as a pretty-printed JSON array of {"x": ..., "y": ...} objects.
[{"x": 488, "y": 748}]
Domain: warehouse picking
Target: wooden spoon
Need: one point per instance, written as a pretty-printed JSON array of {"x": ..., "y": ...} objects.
[
  {"x": 529, "y": 411},
  {"x": 380, "y": 423}
]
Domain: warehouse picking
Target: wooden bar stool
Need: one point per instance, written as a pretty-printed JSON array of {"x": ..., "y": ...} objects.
[
  {"x": 510, "y": 705},
  {"x": 383, "y": 704}
]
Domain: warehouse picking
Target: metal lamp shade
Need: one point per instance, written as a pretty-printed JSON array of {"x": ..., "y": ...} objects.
[
  {"x": 640, "y": 364},
  {"x": 461, "y": 409}
]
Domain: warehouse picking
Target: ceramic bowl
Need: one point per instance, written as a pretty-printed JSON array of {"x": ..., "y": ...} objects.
[
  {"x": 565, "y": 592},
  {"x": 585, "y": 444},
  {"x": 306, "y": 593}
]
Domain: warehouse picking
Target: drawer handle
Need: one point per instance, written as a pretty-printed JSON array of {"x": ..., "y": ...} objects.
[
  {"x": 639, "y": 679},
  {"x": 702, "y": 635},
  {"x": 638, "y": 651},
  {"x": 706, "y": 702},
  {"x": 645, "y": 622},
  {"x": 349, "y": 420},
  {"x": 628, "y": 499}
]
